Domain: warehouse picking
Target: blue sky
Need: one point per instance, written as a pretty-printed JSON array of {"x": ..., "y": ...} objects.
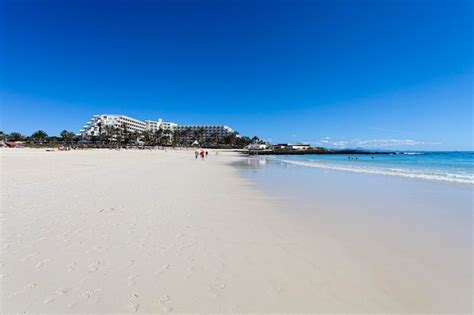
[{"x": 379, "y": 74}]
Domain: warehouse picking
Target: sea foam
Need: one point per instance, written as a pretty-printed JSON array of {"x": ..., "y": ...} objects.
[{"x": 410, "y": 173}]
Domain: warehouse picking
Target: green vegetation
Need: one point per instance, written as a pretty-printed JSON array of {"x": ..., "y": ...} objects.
[
  {"x": 41, "y": 139},
  {"x": 120, "y": 137},
  {"x": 112, "y": 137}
]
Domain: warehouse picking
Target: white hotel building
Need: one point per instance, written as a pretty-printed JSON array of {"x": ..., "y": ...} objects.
[
  {"x": 98, "y": 123},
  {"x": 154, "y": 125},
  {"x": 209, "y": 131}
]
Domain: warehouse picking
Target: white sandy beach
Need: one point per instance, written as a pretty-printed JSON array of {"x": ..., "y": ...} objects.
[{"x": 152, "y": 231}]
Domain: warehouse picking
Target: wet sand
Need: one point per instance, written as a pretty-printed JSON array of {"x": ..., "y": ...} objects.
[
  {"x": 152, "y": 231},
  {"x": 414, "y": 235}
]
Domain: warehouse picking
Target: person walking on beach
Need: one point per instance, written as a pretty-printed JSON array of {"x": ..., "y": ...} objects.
[
  {"x": 207, "y": 153},
  {"x": 202, "y": 154},
  {"x": 196, "y": 154}
]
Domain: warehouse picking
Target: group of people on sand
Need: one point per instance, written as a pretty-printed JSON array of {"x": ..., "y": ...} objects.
[
  {"x": 202, "y": 153},
  {"x": 61, "y": 148}
]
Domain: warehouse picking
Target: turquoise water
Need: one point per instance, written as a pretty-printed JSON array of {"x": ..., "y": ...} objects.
[{"x": 443, "y": 166}]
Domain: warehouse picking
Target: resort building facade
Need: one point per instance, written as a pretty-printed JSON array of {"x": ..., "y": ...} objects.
[
  {"x": 100, "y": 124},
  {"x": 204, "y": 132},
  {"x": 155, "y": 125}
]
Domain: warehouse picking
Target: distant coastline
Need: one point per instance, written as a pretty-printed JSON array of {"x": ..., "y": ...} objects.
[
  {"x": 453, "y": 167},
  {"x": 313, "y": 151}
]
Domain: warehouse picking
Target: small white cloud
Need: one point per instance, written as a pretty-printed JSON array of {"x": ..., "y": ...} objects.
[
  {"x": 384, "y": 143},
  {"x": 371, "y": 143},
  {"x": 340, "y": 144}
]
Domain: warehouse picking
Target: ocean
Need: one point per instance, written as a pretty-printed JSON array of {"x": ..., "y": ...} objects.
[{"x": 456, "y": 167}]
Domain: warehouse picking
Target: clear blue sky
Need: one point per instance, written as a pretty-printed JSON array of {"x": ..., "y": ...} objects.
[{"x": 382, "y": 74}]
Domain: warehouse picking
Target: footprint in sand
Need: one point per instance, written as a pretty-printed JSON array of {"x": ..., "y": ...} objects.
[
  {"x": 131, "y": 280},
  {"x": 42, "y": 263},
  {"x": 180, "y": 249},
  {"x": 30, "y": 286},
  {"x": 71, "y": 267},
  {"x": 167, "y": 309},
  {"x": 279, "y": 288},
  {"x": 163, "y": 269},
  {"x": 84, "y": 279},
  {"x": 86, "y": 296},
  {"x": 164, "y": 300},
  {"x": 95, "y": 266},
  {"x": 132, "y": 228},
  {"x": 214, "y": 288},
  {"x": 93, "y": 249},
  {"x": 25, "y": 289},
  {"x": 64, "y": 241},
  {"x": 38, "y": 240},
  {"x": 29, "y": 256},
  {"x": 133, "y": 304},
  {"x": 59, "y": 292},
  {"x": 190, "y": 272}
]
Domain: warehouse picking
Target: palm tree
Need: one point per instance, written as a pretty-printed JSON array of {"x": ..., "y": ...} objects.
[
  {"x": 15, "y": 136},
  {"x": 67, "y": 136},
  {"x": 39, "y": 136},
  {"x": 3, "y": 136},
  {"x": 177, "y": 137},
  {"x": 158, "y": 136},
  {"x": 255, "y": 139},
  {"x": 116, "y": 136},
  {"x": 215, "y": 138},
  {"x": 125, "y": 134},
  {"x": 148, "y": 137},
  {"x": 132, "y": 137},
  {"x": 201, "y": 133},
  {"x": 167, "y": 136},
  {"x": 241, "y": 142},
  {"x": 110, "y": 134},
  {"x": 196, "y": 135},
  {"x": 186, "y": 135},
  {"x": 53, "y": 140},
  {"x": 230, "y": 139},
  {"x": 102, "y": 133}
]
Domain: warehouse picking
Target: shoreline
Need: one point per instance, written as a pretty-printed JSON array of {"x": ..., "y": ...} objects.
[
  {"x": 372, "y": 170},
  {"x": 159, "y": 231},
  {"x": 416, "y": 233}
]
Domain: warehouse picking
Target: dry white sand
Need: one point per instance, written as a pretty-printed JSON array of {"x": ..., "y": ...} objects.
[{"x": 153, "y": 231}]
